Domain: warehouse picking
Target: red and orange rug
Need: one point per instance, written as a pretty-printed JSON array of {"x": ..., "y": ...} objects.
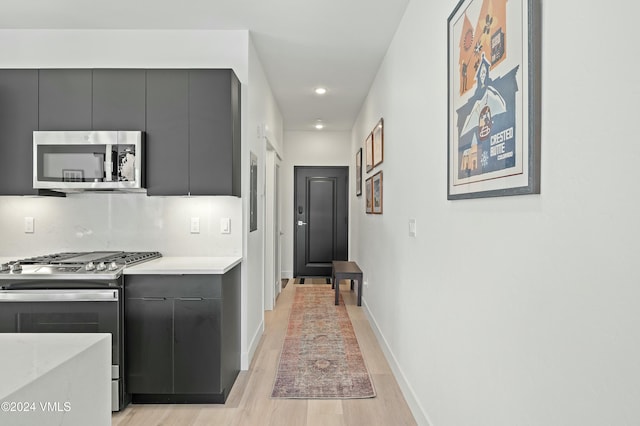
[{"x": 320, "y": 356}]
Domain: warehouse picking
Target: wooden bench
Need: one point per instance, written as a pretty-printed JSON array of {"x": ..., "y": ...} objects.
[{"x": 343, "y": 270}]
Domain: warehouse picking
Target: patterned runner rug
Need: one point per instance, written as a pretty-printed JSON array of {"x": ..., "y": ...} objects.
[{"x": 320, "y": 357}]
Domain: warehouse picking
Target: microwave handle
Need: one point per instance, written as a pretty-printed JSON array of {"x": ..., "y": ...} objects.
[{"x": 109, "y": 170}]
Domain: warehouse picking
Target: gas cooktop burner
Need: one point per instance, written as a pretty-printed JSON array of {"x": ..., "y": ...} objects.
[
  {"x": 126, "y": 258},
  {"x": 99, "y": 264}
]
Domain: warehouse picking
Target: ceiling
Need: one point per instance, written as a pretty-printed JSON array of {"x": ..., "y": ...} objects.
[{"x": 303, "y": 44}]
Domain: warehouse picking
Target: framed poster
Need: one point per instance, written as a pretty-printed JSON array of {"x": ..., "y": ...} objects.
[
  {"x": 368, "y": 195},
  {"x": 493, "y": 99},
  {"x": 368, "y": 149},
  {"x": 359, "y": 172},
  {"x": 378, "y": 143},
  {"x": 376, "y": 183}
]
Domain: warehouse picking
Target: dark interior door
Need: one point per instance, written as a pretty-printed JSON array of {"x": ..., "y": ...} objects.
[{"x": 320, "y": 219}]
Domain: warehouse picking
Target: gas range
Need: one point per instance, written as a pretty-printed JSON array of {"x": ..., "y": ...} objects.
[
  {"x": 74, "y": 265},
  {"x": 75, "y": 292}
]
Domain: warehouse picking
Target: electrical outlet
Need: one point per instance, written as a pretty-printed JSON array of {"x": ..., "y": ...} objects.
[
  {"x": 195, "y": 225},
  {"x": 28, "y": 225}
]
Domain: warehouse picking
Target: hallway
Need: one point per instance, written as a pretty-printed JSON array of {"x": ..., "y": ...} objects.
[{"x": 250, "y": 403}]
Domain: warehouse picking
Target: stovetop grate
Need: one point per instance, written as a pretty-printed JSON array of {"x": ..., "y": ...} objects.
[{"x": 122, "y": 257}]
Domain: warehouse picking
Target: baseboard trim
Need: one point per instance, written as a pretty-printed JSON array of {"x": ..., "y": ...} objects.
[
  {"x": 287, "y": 274},
  {"x": 247, "y": 356},
  {"x": 416, "y": 408}
]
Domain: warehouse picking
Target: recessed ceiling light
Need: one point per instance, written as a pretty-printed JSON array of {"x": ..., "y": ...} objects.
[
  {"x": 319, "y": 126},
  {"x": 320, "y": 90}
]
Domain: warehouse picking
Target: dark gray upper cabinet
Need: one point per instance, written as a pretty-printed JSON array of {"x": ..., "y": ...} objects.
[
  {"x": 167, "y": 138},
  {"x": 191, "y": 119},
  {"x": 65, "y": 99},
  {"x": 214, "y": 132},
  {"x": 18, "y": 120},
  {"x": 119, "y": 99},
  {"x": 193, "y": 132}
]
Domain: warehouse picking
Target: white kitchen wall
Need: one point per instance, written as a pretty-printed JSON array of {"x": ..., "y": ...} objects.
[
  {"x": 125, "y": 49},
  {"x": 119, "y": 222},
  {"x": 264, "y": 115},
  {"x": 513, "y": 310},
  {"x": 128, "y": 221},
  {"x": 312, "y": 148}
]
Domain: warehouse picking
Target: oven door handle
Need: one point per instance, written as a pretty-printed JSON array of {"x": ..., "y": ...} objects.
[
  {"x": 59, "y": 296},
  {"x": 68, "y": 285}
]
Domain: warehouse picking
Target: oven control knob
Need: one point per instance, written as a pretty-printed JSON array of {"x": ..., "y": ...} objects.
[
  {"x": 101, "y": 266},
  {"x": 4, "y": 267},
  {"x": 16, "y": 267},
  {"x": 113, "y": 266},
  {"x": 90, "y": 266}
]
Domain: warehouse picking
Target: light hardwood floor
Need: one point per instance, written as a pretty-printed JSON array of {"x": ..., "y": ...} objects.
[{"x": 250, "y": 401}]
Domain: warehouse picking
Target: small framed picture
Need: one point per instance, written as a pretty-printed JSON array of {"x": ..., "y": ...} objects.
[
  {"x": 378, "y": 143},
  {"x": 368, "y": 147},
  {"x": 359, "y": 172},
  {"x": 377, "y": 193},
  {"x": 368, "y": 195}
]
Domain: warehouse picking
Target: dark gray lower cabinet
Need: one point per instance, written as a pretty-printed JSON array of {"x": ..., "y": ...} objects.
[
  {"x": 182, "y": 337},
  {"x": 195, "y": 321},
  {"x": 149, "y": 345}
]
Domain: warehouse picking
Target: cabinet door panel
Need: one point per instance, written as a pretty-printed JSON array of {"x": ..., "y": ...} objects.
[
  {"x": 211, "y": 132},
  {"x": 167, "y": 143},
  {"x": 119, "y": 99},
  {"x": 18, "y": 120},
  {"x": 197, "y": 345},
  {"x": 149, "y": 345},
  {"x": 65, "y": 99}
]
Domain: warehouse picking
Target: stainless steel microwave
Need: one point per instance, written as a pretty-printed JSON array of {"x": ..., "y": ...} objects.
[{"x": 88, "y": 160}]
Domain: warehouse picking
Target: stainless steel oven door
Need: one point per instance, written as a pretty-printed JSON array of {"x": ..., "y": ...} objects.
[{"x": 67, "y": 311}]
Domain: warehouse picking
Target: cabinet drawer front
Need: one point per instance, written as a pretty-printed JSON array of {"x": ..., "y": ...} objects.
[{"x": 173, "y": 286}]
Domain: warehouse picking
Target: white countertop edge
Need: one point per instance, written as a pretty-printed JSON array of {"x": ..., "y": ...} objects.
[
  {"x": 177, "y": 265},
  {"x": 29, "y": 356}
]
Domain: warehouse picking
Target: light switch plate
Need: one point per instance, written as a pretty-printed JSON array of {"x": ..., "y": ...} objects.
[
  {"x": 195, "y": 225},
  {"x": 225, "y": 225},
  {"x": 412, "y": 227},
  {"x": 28, "y": 225}
]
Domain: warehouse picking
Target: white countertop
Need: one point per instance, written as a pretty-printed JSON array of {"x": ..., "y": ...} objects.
[
  {"x": 176, "y": 265},
  {"x": 27, "y": 356},
  {"x": 51, "y": 378}
]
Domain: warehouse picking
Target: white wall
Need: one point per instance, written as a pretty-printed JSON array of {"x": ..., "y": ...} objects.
[
  {"x": 514, "y": 310},
  {"x": 313, "y": 148},
  {"x": 263, "y": 113},
  {"x": 128, "y": 221},
  {"x": 119, "y": 222},
  {"x": 125, "y": 49}
]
